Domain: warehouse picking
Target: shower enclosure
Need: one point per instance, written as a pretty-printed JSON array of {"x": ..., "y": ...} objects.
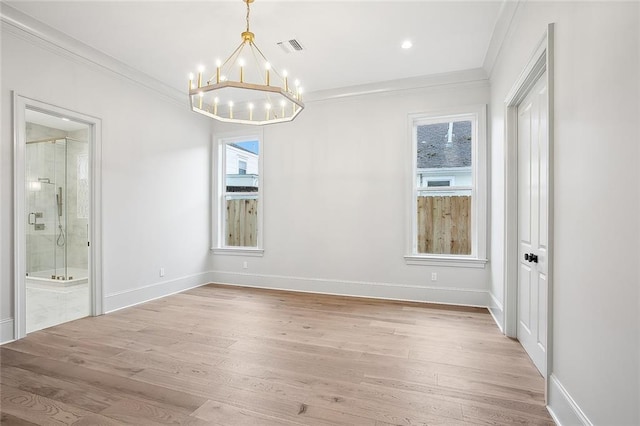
[
  {"x": 57, "y": 160},
  {"x": 57, "y": 208}
]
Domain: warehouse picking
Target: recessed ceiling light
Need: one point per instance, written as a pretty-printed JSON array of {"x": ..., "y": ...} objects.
[
  {"x": 65, "y": 119},
  {"x": 407, "y": 44}
]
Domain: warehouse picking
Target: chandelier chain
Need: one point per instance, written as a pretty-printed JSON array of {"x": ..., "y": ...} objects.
[{"x": 248, "y": 11}]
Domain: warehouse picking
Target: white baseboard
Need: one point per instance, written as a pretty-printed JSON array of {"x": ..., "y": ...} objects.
[
  {"x": 389, "y": 291},
  {"x": 6, "y": 330},
  {"x": 136, "y": 296},
  {"x": 562, "y": 407},
  {"x": 496, "y": 310}
]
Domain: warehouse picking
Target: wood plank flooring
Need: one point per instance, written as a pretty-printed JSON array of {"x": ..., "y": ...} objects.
[{"x": 219, "y": 355}]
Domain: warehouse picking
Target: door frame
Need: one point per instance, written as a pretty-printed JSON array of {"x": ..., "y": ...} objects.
[
  {"x": 541, "y": 61},
  {"x": 20, "y": 104}
]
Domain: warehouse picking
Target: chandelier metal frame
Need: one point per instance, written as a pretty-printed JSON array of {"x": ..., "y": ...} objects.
[{"x": 280, "y": 103}]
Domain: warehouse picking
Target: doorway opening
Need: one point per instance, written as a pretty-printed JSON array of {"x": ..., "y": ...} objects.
[
  {"x": 529, "y": 207},
  {"x": 57, "y": 258}
]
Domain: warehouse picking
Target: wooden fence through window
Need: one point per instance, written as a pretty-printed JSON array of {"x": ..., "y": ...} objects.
[
  {"x": 444, "y": 225},
  {"x": 242, "y": 223}
]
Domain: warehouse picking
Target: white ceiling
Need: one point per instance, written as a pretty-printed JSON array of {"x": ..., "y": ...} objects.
[{"x": 346, "y": 42}]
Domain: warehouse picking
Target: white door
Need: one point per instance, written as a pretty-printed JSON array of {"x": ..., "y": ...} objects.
[{"x": 533, "y": 202}]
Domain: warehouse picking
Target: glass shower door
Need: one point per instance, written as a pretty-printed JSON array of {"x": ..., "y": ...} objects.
[{"x": 44, "y": 260}]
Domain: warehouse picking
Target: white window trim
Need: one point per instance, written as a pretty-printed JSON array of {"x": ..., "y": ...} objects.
[
  {"x": 238, "y": 251},
  {"x": 479, "y": 194},
  {"x": 219, "y": 182}
]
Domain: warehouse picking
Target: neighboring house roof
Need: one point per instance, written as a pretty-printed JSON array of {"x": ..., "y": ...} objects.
[
  {"x": 434, "y": 151},
  {"x": 242, "y": 149}
]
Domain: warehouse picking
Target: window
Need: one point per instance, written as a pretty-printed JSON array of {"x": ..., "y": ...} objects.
[
  {"x": 431, "y": 183},
  {"x": 448, "y": 188},
  {"x": 239, "y": 195},
  {"x": 242, "y": 167}
]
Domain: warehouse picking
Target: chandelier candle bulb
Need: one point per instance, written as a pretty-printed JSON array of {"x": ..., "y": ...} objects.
[
  {"x": 215, "y": 106},
  {"x": 268, "y": 67},
  {"x": 190, "y": 81},
  {"x": 230, "y": 109},
  {"x": 200, "y": 95},
  {"x": 241, "y": 63},
  {"x": 200, "y": 71}
]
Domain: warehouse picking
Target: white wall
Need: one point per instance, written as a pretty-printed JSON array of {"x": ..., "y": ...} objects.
[
  {"x": 156, "y": 180},
  {"x": 596, "y": 356},
  {"x": 335, "y": 192}
]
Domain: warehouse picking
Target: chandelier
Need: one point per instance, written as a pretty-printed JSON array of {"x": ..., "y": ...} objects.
[{"x": 246, "y": 88}]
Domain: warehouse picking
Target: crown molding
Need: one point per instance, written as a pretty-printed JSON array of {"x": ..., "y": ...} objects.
[
  {"x": 472, "y": 76},
  {"x": 503, "y": 24},
  {"x": 24, "y": 26}
]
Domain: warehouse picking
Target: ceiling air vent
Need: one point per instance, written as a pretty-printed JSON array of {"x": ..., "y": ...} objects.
[{"x": 290, "y": 46}]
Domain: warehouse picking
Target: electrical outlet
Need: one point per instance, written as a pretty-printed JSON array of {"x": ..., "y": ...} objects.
[
  {"x": 434, "y": 276},
  {"x": 245, "y": 265},
  {"x": 162, "y": 272}
]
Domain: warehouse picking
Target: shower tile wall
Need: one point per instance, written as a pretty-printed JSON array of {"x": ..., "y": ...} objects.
[
  {"x": 47, "y": 160},
  {"x": 77, "y": 202}
]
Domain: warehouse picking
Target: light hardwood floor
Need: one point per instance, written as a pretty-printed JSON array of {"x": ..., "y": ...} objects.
[{"x": 220, "y": 355}]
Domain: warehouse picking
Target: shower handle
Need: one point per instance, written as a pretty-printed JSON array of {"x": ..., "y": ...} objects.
[
  {"x": 33, "y": 220},
  {"x": 35, "y": 216},
  {"x": 59, "y": 201}
]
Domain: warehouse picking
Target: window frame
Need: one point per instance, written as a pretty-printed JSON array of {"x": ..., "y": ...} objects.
[
  {"x": 219, "y": 193},
  {"x": 479, "y": 195}
]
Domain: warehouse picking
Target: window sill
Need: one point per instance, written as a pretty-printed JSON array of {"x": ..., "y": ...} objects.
[
  {"x": 240, "y": 251},
  {"x": 458, "y": 262}
]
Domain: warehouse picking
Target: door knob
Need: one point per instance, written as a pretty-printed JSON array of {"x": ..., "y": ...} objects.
[
  {"x": 533, "y": 258},
  {"x": 526, "y": 257}
]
